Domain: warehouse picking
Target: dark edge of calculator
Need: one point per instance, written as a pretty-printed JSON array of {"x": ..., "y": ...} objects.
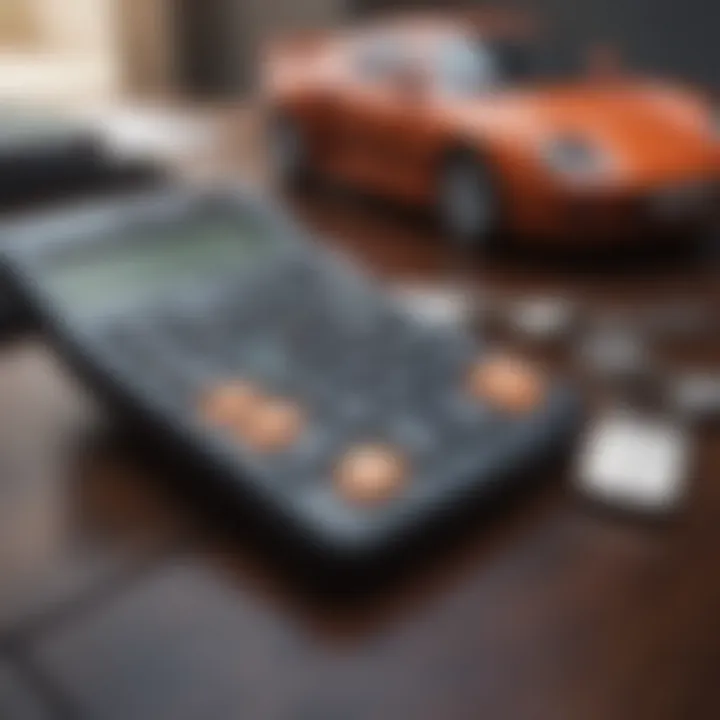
[
  {"x": 323, "y": 558},
  {"x": 79, "y": 162},
  {"x": 80, "y": 171}
]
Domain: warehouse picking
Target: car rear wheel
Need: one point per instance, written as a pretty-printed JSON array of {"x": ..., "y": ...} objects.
[
  {"x": 708, "y": 244},
  {"x": 287, "y": 151},
  {"x": 467, "y": 201}
]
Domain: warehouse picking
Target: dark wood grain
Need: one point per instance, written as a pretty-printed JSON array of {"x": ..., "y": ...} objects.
[
  {"x": 552, "y": 610},
  {"x": 71, "y": 519},
  {"x": 561, "y": 615}
]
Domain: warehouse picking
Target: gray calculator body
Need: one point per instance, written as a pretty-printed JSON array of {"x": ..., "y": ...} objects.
[{"x": 154, "y": 298}]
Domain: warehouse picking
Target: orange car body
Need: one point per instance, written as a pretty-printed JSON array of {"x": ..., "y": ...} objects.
[{"x": 660, "y": 142}]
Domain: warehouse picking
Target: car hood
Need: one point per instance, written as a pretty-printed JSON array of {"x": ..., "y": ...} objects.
[{"x": 651, "y": 131}]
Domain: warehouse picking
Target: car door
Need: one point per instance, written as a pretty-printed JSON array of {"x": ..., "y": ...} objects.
[{"x": 385, "y": 119}]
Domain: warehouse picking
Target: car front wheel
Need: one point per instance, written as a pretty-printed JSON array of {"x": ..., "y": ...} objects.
[
  {"x": 467, "y": 201},
  {"x": 287, "y": 151}
]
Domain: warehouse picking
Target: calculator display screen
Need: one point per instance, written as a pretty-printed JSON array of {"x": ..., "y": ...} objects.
[{"x": 147, "y": 260}]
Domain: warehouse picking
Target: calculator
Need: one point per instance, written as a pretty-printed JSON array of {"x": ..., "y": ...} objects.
[
  {"x": 289, "y": 377},
  {"x": 46, "y": 159}
]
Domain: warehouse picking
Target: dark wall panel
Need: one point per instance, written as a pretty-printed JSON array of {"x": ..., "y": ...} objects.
[{"x": 675, "y": 37}]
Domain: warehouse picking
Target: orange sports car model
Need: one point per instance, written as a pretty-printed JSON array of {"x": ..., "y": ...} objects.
[{"x": 463, "y": 116}]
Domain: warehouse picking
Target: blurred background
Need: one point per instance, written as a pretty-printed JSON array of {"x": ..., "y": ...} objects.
[
  {"x": 121, "y": 600},
  {"x": 151, "y": 69},
  {"x": 102, "y": 50}
]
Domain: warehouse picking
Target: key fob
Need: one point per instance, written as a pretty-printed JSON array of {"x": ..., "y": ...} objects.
[{"x": 635, "y": 462}]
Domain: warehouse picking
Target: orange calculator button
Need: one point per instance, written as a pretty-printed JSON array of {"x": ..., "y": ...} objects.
[
  {"x": 227, "y": 404},
  {"x": 272, "y": 425},
  {"x": 371, "y": 473},
  {"x": 508, "y": 383}
]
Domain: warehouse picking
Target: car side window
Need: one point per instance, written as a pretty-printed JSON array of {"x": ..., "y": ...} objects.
[
  {"x": 465, "y": 68},
  {"x": 380, "y": 59}
]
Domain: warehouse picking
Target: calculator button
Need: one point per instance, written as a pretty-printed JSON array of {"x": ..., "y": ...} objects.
[
  {"x": 369, "y": 474},
  {"x": 230, "y": 403},
  {"x": 507, "y": 383},
  {"x": 272, "y": 425}
]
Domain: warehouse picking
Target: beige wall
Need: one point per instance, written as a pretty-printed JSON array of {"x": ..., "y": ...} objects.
[
  {"x": 58, "y": 50},
  {"x": 82, "y": 26},
  {"x": 78, "y": 26},
  {"x": 130, "y": 44},
  {"x": 18, "y": 24}
]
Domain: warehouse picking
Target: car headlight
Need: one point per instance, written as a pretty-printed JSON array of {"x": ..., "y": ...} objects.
[{"x": 574, "y": 157}]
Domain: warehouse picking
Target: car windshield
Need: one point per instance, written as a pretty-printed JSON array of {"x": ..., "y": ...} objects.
[{"x": 468, "y": 67}]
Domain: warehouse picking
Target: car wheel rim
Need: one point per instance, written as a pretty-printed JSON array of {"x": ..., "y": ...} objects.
[{"x": 466, "y": 201}]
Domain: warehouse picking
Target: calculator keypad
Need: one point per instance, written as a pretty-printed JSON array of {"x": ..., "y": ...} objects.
[{"x": 321, "y": 379}]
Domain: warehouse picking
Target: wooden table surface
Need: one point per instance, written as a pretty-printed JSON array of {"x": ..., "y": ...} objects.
[{"x": 121, "y": 598}]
